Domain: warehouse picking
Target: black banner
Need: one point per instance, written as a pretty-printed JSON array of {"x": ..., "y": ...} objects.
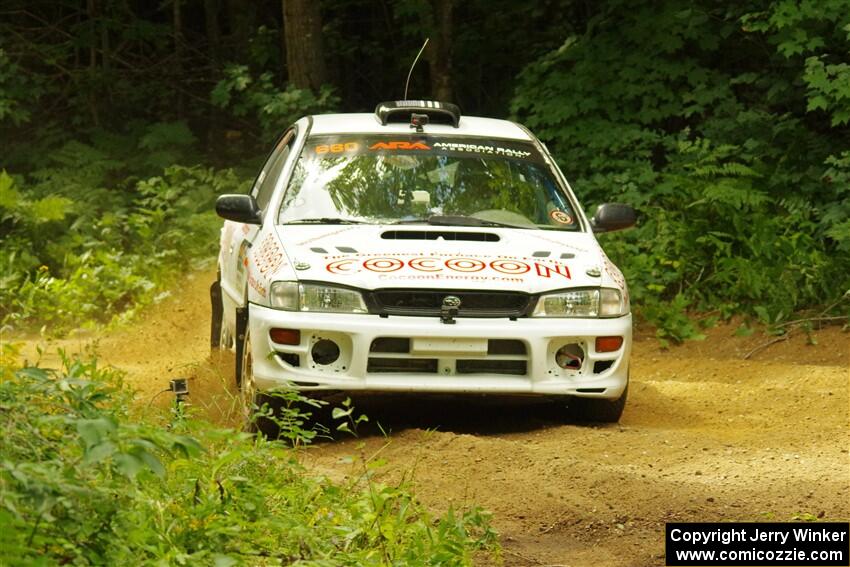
[{"x": 758, "y": 544}]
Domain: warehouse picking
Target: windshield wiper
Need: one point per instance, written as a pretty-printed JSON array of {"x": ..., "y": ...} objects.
[
  {"x": 459, "y": 220},
  {"x": 326, "y": 220}
]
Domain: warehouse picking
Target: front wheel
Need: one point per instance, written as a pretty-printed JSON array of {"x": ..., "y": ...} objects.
[
  {"x": 255, "y": 406},
  {"x": 598, "y": 409}
]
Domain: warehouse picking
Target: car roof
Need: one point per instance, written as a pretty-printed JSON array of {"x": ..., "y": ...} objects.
[{"x": 367, "y": 123}]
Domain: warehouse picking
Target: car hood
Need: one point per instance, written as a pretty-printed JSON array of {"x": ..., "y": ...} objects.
[{"x": 425, "y": 256}]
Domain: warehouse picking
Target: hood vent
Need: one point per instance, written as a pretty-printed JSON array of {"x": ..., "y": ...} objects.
[
  {"x": 343, "y": 249},
  {"x": 439, "y": 235}
]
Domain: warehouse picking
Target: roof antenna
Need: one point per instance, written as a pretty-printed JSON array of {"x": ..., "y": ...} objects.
[{"x": 409, "y": 73}]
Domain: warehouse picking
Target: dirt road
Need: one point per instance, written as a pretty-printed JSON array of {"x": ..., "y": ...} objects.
[{"x": 706, "y": 436}]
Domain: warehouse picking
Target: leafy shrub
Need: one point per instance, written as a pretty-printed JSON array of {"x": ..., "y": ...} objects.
[
  {"x": 741, "y": 184},
  {"x": 257, "y": 97},
  {"x": 70, "y": 261},
  {"x": 15, "y": 90},
  {"x": 82, "y": 483}
]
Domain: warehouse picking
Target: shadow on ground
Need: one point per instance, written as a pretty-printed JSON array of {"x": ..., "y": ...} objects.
[
  {"x": 476, "y": 415},
  {"x": 214, "y": 391}
]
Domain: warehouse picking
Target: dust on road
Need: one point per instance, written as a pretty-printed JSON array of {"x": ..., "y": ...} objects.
[{"x": 706, "y": 436}]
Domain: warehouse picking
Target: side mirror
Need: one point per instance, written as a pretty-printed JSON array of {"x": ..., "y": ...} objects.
[
  {"x": 613, "y": 216},
  {"x": 238, "y": 208}
]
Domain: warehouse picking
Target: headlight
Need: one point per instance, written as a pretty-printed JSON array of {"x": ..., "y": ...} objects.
[
  {"x": 284, "y": 295},
  {"x": 612, "y": 303},
  {"x": 328, "y": 299},
  {"x": 597, "y": 302},
  {"x": 294, "y": 296}
]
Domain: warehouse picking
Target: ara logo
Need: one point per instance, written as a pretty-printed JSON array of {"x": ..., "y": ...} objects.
[{"x": 399, "y": 146}]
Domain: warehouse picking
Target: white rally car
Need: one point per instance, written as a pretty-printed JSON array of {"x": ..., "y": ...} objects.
[{"x": 418, "y": 250}]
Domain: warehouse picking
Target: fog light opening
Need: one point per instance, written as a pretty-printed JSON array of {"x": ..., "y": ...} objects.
[
  {"x": 570, "y": 357},
  {"x": 325, "y": 352},
  {"x": 285, "y": 336}
]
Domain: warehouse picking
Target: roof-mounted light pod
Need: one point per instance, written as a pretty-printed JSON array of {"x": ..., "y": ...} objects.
[{"x": 404, "y": 110}]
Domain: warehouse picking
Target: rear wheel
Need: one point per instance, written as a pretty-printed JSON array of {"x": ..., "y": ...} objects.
[
  {"x": 239, "y": 340},
  {"x": 221, "y": 338},
  {"x": 598, "y": 409}
]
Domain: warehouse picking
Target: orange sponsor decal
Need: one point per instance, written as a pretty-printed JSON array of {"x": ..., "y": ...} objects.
[
  {"x": 561, "y": 217},
  {"x": 464, "y": 265},
  {"x": 337, "y": 148},
  {"x": 399, "y": 146}
]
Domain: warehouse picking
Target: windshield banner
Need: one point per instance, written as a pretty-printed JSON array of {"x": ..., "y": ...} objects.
[{"x": 333, "y": 146}]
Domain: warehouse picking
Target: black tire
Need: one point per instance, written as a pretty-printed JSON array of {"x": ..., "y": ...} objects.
[
  {"x": 261, "y": 421},
  {"x": 598, "y": 409},
  {"x": 252, "y": 402},
  {"x": 216, "y": 315},
  {"x": 239, "y": 339},
  {"x": 220, "y": 337}
]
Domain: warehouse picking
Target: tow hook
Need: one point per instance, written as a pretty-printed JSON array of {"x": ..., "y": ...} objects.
[{"x": 449, "y": 309}]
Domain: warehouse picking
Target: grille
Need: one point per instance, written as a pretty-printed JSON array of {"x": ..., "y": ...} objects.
[
  {"x": 392, "y": 354},
  {"x": 506, "y": 346},
  {"x": 491, "y": 367},
  {"x": 390, "y": 344},
  {"x": 423, "y": 302},
  {"x": 405, "y": 365}
]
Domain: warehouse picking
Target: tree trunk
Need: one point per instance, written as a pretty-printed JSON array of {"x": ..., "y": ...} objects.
[
  {"x": 177, "y": 30},
  {"x": 241, "y": 18},
  {"x": 305, "y": 62},
  {"x": 104, "y": 44},
  {"x": 91, "y": 12},
  {"x": 213, "y": 31},
  {"x": 440, "y": 58}
]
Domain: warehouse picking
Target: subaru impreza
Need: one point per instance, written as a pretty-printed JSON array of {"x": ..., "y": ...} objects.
[{"x": 417, "y": 250}]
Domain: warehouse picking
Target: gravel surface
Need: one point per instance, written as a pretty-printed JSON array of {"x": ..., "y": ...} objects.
[{"x": 706, "y": 436}]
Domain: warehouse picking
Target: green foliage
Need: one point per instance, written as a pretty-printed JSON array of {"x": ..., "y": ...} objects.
[
  {"x": 349, "y": 422},
  {"x": 672, "y": 321},
  {"x": 15, "y": 90},
  {"x": 742, "y": 189},
  {"x": 83, "y": 483},
  {"x": 258, "y": 97},
  {"x": 819, "y": 32},
  {"x": 80, "y": 246},
  {"x": 835, "y": 216},
  {"x": 828, "y": 89},
  {"x": 726, "y": 124},
  {"x": 166, "y": 143}
]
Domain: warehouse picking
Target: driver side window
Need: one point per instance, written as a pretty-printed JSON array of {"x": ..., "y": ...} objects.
[{"x": 266, "y": 181}]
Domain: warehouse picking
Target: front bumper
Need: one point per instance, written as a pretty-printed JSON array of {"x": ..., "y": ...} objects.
[{"x": 485, "y": 356}]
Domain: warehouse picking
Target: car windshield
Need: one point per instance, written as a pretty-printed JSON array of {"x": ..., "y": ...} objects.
[{"x": 428, "y": 180}]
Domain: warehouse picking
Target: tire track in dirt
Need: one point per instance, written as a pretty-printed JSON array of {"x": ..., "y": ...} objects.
[{"x": 706, "y": 436}]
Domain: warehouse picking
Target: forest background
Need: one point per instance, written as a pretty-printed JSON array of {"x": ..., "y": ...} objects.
[{"x": 726, "y": 126}]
